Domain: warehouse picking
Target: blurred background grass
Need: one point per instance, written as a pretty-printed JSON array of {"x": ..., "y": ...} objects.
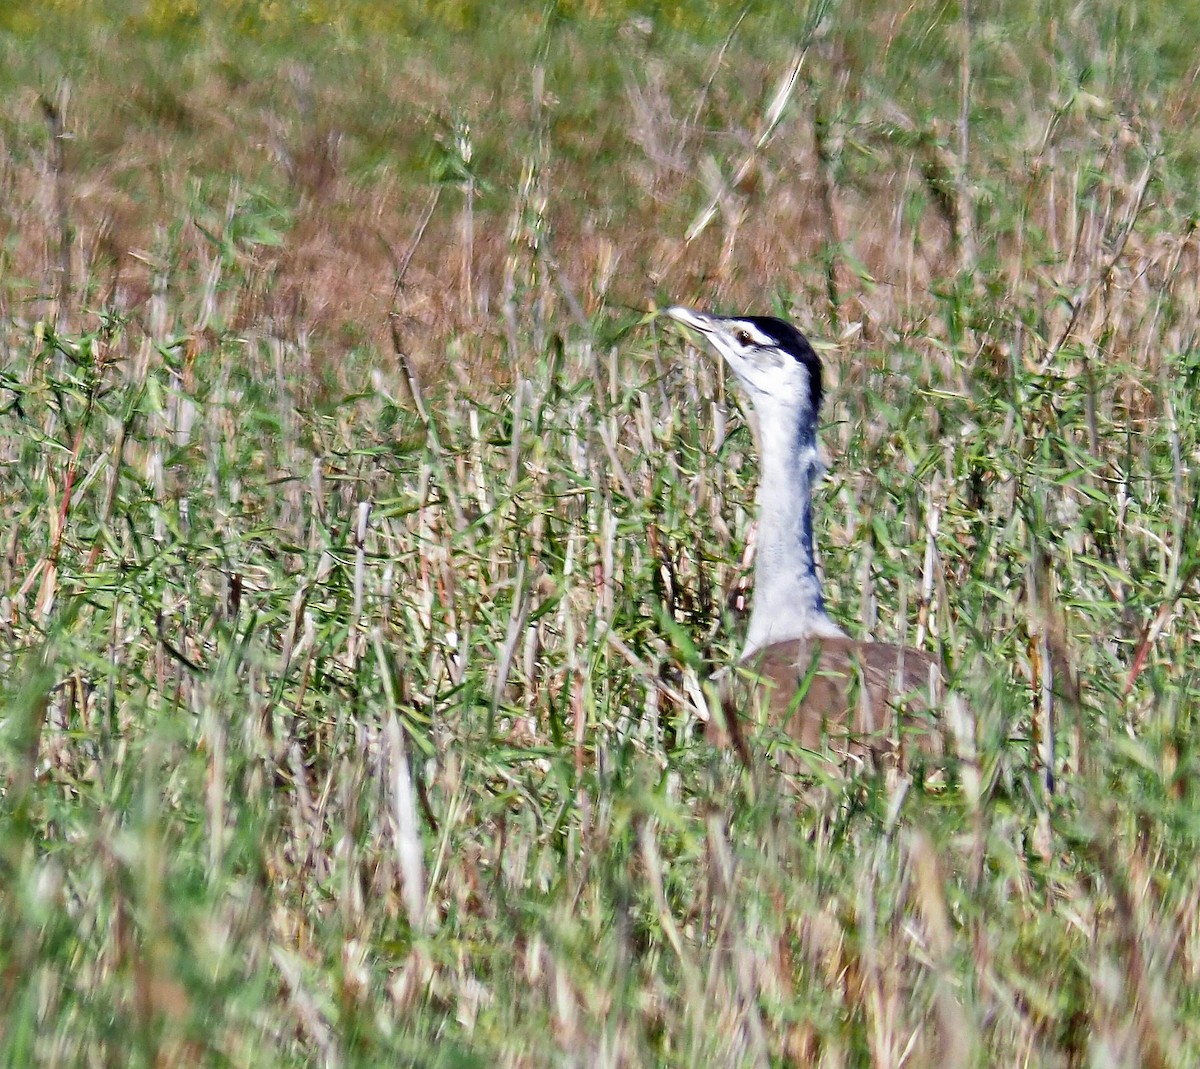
[{"x": 365, "y": 541}]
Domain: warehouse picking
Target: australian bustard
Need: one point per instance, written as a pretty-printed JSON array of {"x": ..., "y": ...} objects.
[{"x": 821, "y": 686}]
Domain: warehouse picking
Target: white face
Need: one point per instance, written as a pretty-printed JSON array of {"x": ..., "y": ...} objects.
[{"x": 771, "y": 375}]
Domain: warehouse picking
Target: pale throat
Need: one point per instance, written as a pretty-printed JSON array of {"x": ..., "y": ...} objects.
[{"x": 788, "y": 602}]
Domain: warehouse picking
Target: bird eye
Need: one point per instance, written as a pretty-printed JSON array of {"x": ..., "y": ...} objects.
[{"x": 742, "y": 337}]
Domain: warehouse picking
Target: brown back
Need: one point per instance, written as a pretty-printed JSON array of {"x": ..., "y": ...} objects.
[{"x": 833, "y": 693}]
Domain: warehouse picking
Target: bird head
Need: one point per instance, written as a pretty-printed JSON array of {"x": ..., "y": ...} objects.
[{"x": 772, "y": 360}]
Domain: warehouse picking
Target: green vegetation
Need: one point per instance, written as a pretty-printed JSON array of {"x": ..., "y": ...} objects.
[{"x": 365, "y": 541}]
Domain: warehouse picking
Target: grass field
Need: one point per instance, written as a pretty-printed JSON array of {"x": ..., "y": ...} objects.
[{"x": 367, "y": 541}]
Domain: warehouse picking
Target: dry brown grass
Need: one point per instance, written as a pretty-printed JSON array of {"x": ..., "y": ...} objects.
[
  {"x": 337, "y": 732},
  {"x": 585, "y": 202}
]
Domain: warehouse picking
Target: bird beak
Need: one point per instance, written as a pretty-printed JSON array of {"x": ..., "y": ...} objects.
[{"x": 689, "y": 317}]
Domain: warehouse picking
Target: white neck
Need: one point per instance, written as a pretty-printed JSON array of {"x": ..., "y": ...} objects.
[{"x": 787, "y": 591}]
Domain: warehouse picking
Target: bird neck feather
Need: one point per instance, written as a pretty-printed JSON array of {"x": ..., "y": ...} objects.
[{"x": 788, "y": 602}]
